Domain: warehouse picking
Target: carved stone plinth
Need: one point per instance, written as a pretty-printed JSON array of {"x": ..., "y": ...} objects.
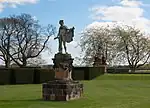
[
  {"x": 62, "y": 90},
  {"x": 63, "y": 66}
]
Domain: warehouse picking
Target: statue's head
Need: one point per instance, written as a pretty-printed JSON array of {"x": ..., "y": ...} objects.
[{"x": 61, "y": 22}]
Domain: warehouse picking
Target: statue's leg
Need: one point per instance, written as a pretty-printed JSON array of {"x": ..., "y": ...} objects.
[
  {"x": 60, "y": 44},
  {"x": 64, "y": 43}
]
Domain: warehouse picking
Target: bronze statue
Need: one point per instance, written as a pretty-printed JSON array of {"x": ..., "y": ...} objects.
[{"x": 64, "y": 35}]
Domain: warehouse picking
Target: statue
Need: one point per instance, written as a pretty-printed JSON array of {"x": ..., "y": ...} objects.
[
  {"x": 63, "y": 61},
  {"x": 63, "y": 87},
  {"x": 64, "y": 35}
]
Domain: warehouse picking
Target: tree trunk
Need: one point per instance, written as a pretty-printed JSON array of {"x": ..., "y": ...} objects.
[
  {"x": 133, "y": 69},
  {"x": 8, "y": 51},
  {"x": 24, "y": 63},
  {"x": 7, "y": 63}
]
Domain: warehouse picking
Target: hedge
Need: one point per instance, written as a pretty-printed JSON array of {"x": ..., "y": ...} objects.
[
  {"x": 40, "y": 75},
  {"x": 46, "y": 75},
  {"x": 87, "y": 73},
  {"x": 4, "y": 76},
  {"x": 24, "y": 75},
  {"x": 78, "y": 73},
  {"x": 94, "y": 72}
]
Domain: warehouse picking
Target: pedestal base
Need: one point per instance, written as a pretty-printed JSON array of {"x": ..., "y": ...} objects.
[{"x": 62, "y": 90}]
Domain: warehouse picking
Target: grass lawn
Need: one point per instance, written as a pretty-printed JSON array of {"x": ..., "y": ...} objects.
[{"x": 107, "y": 91}]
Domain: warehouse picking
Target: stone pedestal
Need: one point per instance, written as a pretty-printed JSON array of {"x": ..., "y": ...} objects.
[{"x": 63, "y": 88}]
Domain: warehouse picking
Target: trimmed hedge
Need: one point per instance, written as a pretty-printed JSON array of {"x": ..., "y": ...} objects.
[
  {"x": 87, "y": 73},
  {"x": 24, "y": 75},
  {"x": 12, "y": 76},
  {"x": 4, "y": 76},
  {"x": 46, "y": 75},
  {"x": 78, "y": 73},
  {"x": 36, "y": 76},
  {"x": 95, "y": 72},
  {"x": 40, "y": 75}
]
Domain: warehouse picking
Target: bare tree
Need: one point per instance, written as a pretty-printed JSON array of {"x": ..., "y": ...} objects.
[
  {"x": 120, "y": 44},
  {"x": 133, "y": 46},
  {"x": 6, "y": 34},
  {"x": 28, "y": 38},
  {"x": 98, "y": 42}
]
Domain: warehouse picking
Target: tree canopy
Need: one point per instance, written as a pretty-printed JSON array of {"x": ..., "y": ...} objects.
[
  {"x": 119, "y": 44},
  {"x": 22, "y": 38}
]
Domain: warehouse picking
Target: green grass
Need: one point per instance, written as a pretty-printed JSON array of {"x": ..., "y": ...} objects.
[{"x": 106, "y": 91}]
